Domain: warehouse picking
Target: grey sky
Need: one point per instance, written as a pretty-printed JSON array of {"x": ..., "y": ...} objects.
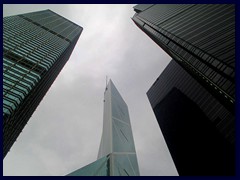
[{"x": 64, "y": 133}]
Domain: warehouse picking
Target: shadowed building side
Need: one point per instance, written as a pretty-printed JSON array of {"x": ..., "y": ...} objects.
[
  {"x": 200, "y": 38},
  {"x": 198, "y": 130}
]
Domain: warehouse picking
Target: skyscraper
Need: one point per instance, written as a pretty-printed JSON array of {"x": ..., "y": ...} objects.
[
  {"x": 198, "y": 129},
  {"x": 194, "y": 98},
  {"x": 117, "y": 154},
  {"x": 36, "y": 46},
  {"x": 200, "y": 37}
]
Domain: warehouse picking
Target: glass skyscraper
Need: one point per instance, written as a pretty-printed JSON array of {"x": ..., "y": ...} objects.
[
  {"x": 199, "y": 131},
  {"x": 117, "y": 154},
  {"x": 194, "y": 97},
  {"x": 36, "y": 46},
  {"x": 200, "y": 37}
]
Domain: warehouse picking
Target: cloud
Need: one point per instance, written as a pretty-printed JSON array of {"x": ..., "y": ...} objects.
[{"x": 64, "y": 132}]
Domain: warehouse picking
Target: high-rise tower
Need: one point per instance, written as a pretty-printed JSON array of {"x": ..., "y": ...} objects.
[
  {"x": 194, "y": 98},
  {"x": 117, "y": 155},
  {"x": 36, "y": 46},
  {"x": 200, "y": 38},
  {"x": 198, "y": 129}
]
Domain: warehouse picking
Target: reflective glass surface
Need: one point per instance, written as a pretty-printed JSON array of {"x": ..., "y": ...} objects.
[
  {"x": 200, "y": 37},
  {"x": 97, "y": 168},
  {"x": 35, "y": 48},
  {"x": 125, "y": 165},
  {"x": 116, "y": 142}
]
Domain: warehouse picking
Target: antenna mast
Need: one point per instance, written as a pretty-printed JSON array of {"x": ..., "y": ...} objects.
[{"x": 106, "y": 80}]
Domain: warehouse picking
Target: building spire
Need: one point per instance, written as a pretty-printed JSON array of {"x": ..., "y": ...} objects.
[{"x": 106, "y": 80}]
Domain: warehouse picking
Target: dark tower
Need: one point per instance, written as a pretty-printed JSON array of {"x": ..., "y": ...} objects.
[
  {"x": 36, "y": 46},
  {"x": 198, "y": 129},
  {"x": 200, "y": 37},
  {"x": 194, "y": 98}
]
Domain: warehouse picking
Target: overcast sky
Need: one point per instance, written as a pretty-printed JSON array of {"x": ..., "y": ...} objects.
[{"x": 64, "y": 133}]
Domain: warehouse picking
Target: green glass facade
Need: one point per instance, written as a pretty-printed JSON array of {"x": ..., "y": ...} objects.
[
  {"x": 36, "y": 46},
  {"x": 117, "y": 154},
  {"x": 97, "y": 168}
]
